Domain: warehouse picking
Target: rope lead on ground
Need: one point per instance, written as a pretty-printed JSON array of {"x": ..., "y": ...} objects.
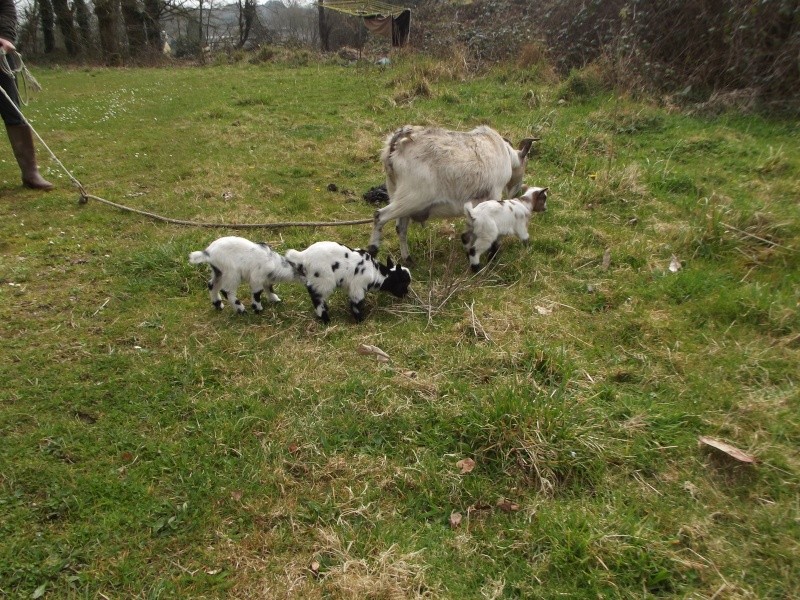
[{"x": 84, "y": 196}]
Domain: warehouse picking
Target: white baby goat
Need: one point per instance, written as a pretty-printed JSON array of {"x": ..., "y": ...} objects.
[
  {"x": 487, "y": 221},
  {"x": 235, "y": 259},
  {"x": 324, "y": 266}
]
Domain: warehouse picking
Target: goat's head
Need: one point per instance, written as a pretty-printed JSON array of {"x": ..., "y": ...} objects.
[
  {"x": 536, "y": 197},
  {"x": 397, "y": 279},
  {"x": 518, "y": 165}
]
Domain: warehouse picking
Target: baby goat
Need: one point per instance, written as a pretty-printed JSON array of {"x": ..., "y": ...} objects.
[
  {"x": 487, "y": 221},
  {"x": 233, "y": 260},
  {"x": 328, "y": 265}
]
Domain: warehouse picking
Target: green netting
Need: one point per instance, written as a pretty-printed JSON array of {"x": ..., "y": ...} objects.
[{"x": 363, "y": 8}]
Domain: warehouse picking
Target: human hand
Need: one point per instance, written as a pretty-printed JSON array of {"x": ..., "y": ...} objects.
[{"x": 6, "y": 45}]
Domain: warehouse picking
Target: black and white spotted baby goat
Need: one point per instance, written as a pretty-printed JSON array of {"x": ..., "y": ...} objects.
[
  {"x": 326, "y": 266},
  {"x": 487, "y": 221},
  {"x": 235, "y": 259}
]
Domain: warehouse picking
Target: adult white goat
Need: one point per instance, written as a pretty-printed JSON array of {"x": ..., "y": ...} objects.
[{"x": 433, "y": 172}]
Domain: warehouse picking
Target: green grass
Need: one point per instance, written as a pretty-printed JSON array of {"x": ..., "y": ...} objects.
[{"x": 153, "y": 447}]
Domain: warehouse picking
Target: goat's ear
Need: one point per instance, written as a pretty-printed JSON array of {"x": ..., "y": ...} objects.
[
  {"x": 525, "y": 146},
  {"x": 389, "y": 262}
]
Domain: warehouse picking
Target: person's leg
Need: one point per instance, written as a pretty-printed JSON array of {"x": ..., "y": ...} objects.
[{"x": 21, "y": 137}]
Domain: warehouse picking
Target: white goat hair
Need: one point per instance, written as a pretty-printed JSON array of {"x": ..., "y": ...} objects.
[
  {"x": 487, "y": 221},
  {"x": 432, "y": 172},
  {"x": 326, "y": 266},
  {"x": 233, "y": 260}
]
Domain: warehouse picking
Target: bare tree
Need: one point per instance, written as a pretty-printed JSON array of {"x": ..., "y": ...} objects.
[
  {"x": 84, "y": 22},
  {"x": 247, "y": 16},
  {"x": 48, "y": 25},
  {"x": 134, "y": 19},
  {"x": 67, "y": 26},
  {"x": 29, "y": 24},
  {"x": 106, "y": 12}
]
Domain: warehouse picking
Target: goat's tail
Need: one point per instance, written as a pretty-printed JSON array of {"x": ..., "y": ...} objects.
[
  {"x": 295, "y": 258},
  {"x": 468, "y": 213},
  {"x": 198, "y": 256}
]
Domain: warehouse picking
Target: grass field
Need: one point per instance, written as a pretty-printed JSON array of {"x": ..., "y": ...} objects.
[{"x": 153, "y": 447}]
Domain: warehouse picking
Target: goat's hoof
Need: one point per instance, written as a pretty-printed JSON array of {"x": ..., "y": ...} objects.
[
  {"x": 218, "y": 304},
  {"x": 475, "y": 268}
]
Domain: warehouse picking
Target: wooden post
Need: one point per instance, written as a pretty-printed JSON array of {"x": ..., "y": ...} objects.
[{"x": 323, "y": 27}]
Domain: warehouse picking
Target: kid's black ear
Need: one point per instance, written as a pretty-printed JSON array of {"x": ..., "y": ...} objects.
[{"x": 389, "y": 262}]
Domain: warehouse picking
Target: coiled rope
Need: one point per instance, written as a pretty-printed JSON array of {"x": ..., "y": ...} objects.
[{"x": 30, "y": 80}]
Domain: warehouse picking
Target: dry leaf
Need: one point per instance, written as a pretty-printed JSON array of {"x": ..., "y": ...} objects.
[
  {"x": 455, "y": 520},
  {"x": 466, "y": 465},
  {"x": 127, "y": 456},
  {"x": 731, "y": 451},
  {"x": 236, "y": 495},
  {"x": 314, "y": 568},
  {"x": 543, "y": 310},
  {"x": 379, "y": 354},
  {"x": 409, "y": 374},
  {"x": 293, "y": 448},
  {"x": 213, "y": 571},
  {"x": 674, "y": 264},
  {"x": 507, "y": 505},
  {"x": 606, "y": 259}
]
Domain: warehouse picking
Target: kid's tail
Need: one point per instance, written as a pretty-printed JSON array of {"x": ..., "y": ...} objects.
[
  {"x": 468, "y": 212},
  {"x": 198, "y": 256},
  {"x": 295, "y": 259}
]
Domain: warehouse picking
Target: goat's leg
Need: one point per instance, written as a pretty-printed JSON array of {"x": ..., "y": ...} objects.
[
  {"x": 235, "y": 302},
  {"x": 492, "y": 250},
  {"x": 214, "y": 286},
  {"x": 256, "y": 303},
  {"x": 375, "y": 239},
  {"x": 391, "y": 212},
  {"x": 479, "y": 246},
  {"x": 522, "y": 233},
  {"x": 320, "y": 306},
  {"x": 402, "y": 235},
  {"x": 357, "y": 303},
  {"x": 273, "y": 297}
]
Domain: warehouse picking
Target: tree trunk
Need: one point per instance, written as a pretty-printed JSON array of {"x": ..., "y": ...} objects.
[
  {"x": 48, "y": 26},
  {"x": 105, "y": 10},
  {"x": 67, "y": 26},
  {"x": 84, "y": 21},
  {"x": 152, "y": 15},
  {"x": 247, "y": 16},
  {"x": 133, "y": 17},
  {"x": 324, "y": 28}
]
